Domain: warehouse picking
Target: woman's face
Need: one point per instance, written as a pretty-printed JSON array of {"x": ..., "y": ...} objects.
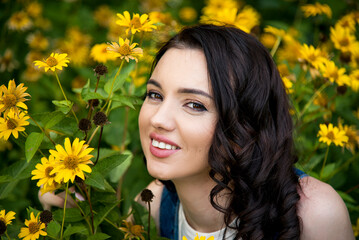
[{"x": 178, "y": 117}]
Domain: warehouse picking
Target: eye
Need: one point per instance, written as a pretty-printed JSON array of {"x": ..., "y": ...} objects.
[
  {"x": 196, "y": 106},
  {"x": 154, "y": 95}
]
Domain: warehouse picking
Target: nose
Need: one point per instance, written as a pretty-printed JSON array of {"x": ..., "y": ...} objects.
[{"x": 163, "y": 117}]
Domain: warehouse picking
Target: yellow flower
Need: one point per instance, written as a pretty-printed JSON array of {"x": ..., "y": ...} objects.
[
  {"x": 43, "y": 172},
  {"x": 287, "y": 84},
  {"x": 310, "y": 55},
  {"x": 124, "y": 50},
  {"x": 199, "y": 238},
  {"x": 316, "y": 9},
  {"x": 334, "y": 74},
  {"x": 99, "y": 53},
  {"x": 352, "y": 134},
  {"x": 13, "y": 124},
  {"x": 213, "y": 6},
  {"x": 329, "y": 134},
  {"x": 356, "y": 228},
  {"x": 71, "y": 161},
  {"x": 19, "y": 21},
  {"x": 347, "y": 22},
  {"x": 37, "y": 41},
  {"x": 132, "y": 231},
  {"x": 55, "y": 61},
  {"x": 7, "y": 218},
  {"x": 342, "y": 38},
  {"x": 187, "y": 14},
  {"x": 275, "y": 31},
  {"x": 8, "y": 62},
  {"x": 290, "y": 52},
  {"x": 103, "y": 15},
  {"x": 30, "y": 74},
  {"x": 34, "y": 9},
  {"x": 136, "y": 24},
  {"x": 354, "y": 53},
  {"x": 268, "y": 40},
  {"x": 12, "y": 98},
  {"x": 354, "y": 80},
  {"x": 245, "y": 19},
  {"x": 115, "y": 30},
  {"x": 33, "y": 229}
]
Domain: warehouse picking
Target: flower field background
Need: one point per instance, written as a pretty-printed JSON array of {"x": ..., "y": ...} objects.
[{"x": 72, "y": 77}]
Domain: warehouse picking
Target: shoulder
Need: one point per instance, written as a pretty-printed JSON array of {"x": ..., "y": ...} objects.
[
  {"x": 157, "y": 188},
  {"x": 322, "y": 211}
]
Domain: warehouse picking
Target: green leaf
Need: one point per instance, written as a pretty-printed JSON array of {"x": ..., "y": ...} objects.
[
  {"x": 54, "y": 118},
  {"x": 328, "y": 170},
  {"x": 103, "y": 212},
  {"x": 105, "y": 165},
  {"x": 346, "y": 197},
  {"x": 64, "y": 106},
  {"x": 96, "y": 180},
  {"x": 32, "y": 143},
  {"x": 72, "y": 215},
  {"x": 92, "y": 95},
  {"x": 14, "y": 171},
  {"x": 117, "y": 172},
  {"x": 53, "y": 229},
  {"x": 98, "y": 236},
  {"x": 81, "y": 229}
]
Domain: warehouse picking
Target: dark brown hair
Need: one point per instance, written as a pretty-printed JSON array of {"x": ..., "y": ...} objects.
[{"x": 251, "y": 154}]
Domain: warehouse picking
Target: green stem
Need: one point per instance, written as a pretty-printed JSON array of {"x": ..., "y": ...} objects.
[
  {"x": 123, "y": 144},
  {"x": 7, "y": 235},
  {"x": 42, "y": 130},
  {"x": 93, "y": 134},
  {"x": 63, "y": 217},
  {"x": 325, "y": 160},
  {"x": 63, "y": 93},
  {"x": 276, "y": 45},
  {"x": 313, "y": 98},
  {"x": 82, "y": 212},
  {"x": 113, "y": 83},
  {"x": 347, "y": 162}
]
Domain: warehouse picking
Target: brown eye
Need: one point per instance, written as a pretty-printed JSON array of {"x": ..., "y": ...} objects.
[
  {"x": 154, "y": 96},
  {"x": 196, "y": 106}
]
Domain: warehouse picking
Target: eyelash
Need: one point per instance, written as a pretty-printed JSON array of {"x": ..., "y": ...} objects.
[{"x": 198, "y": 107}]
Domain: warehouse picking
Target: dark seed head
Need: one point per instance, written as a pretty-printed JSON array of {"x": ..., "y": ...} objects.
[
  {"x": 95, "y": 102},
  {"x": 84, "y": 124},
  {"x": 147, "y": 195},
  {"x": 341, "y": 90},
  {"x": 46, "y": 216},
  {"x": 2, "y": 227},
  {"x": 100, "y": 70},
  {"x": 100, "y": 119}
]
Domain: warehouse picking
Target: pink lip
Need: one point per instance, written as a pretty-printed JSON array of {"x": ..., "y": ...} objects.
[{"x": 162, "y": 153}]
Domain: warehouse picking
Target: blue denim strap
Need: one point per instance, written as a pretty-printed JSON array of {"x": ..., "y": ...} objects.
[
  {"x": 300, "y": 173},
  {"x": 169, "y": 214}
]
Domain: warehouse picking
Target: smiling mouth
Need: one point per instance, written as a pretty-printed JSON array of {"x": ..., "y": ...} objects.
[{"x": 162, "y": 145}]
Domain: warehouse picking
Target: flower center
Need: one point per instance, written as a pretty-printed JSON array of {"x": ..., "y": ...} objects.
[
  {"x": 11, "y": 124},
  {"x": 71, "y": 162},
  {"x": 51, "y": 61},
  {"x": 331, "y": 136},
  {"x": 9, "y": 100},
  {"x": 34, "y": 227},
  {"x": 344, "y": 42},
  {"x": 125, "y": 50},
  {"x": 136, "y": 230},
  {"x": 48, "y": 171},
  {"x": 136, "y": 22}
]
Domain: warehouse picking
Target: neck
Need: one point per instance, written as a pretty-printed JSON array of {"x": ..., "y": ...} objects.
[{"x": 195, "y": 199}]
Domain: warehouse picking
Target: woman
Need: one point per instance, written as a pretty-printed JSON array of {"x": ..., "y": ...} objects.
[{"x": 215, "y": 129}]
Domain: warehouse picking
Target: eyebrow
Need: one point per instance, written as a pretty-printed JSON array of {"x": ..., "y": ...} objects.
[{"x": 181, "y": 90}]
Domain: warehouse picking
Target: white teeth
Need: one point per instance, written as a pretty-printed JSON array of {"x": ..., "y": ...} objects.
[
  {"x": 155, "y": 143},
  {"x": 163, "y": 145}
]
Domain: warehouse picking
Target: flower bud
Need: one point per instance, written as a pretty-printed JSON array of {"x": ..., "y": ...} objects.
[
  {"x": 100, "y": 70},
  {"x": 100, "y": 119},
  {"x": 46, "y": 216},
  {"x": 84, "y": 124},
  {"x": 147, "y": 195}
]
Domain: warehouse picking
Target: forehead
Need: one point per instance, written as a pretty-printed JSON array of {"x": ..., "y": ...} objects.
[{"x": 183, "y": 67}]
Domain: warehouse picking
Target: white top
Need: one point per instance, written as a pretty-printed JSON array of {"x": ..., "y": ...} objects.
[{"x": 184, "y": 229}]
